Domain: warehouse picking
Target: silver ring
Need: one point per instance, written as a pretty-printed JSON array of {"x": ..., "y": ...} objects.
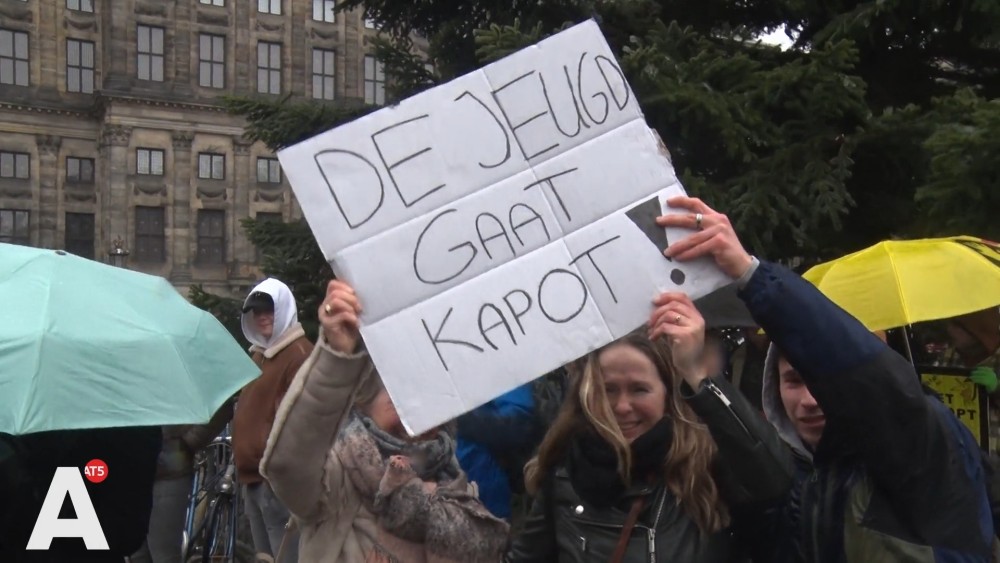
[
  {"x": 328, "y": 309},
  {"x": 698, "y": 217},
  {"x": 677, "y": 319}
]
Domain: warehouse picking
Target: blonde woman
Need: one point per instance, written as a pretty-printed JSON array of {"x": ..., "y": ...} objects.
[
  {"x": 650, "y": 459},
  {"x": 359, "y": 488}
]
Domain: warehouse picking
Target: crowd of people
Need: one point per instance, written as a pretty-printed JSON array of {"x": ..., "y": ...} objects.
[{"x": 814, "y": 442}]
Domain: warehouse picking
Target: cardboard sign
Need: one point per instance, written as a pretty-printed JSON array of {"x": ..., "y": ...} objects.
[
  {"x": 497, "y": 226},
  {"x": 963, "y": 397}
]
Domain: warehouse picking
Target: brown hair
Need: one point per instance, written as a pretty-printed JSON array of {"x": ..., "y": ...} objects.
[{"x": 687, "y": 468}]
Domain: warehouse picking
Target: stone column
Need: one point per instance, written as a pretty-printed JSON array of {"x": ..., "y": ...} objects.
[
  {"x": 113, "y": 185},
  {"x": 48, "y": 193},
  {"x": 184, "y": 57},
  {"x": 181, "y": 226},
  {"x": 116, "y": 19},
  {"x": 239, "y": 247}
]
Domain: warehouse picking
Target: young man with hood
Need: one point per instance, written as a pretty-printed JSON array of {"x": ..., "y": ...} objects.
[
  {"x": 886, "y": 472},
  {"x": 270, "y": 323}
]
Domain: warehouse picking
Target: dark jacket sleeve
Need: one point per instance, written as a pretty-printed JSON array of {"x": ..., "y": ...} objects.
[
  {"x": 536, "y": 541},
  {"x": 869, "y": 394},
  {"x": 498, "y": 433},
  {"x": 753, "y": 468}
]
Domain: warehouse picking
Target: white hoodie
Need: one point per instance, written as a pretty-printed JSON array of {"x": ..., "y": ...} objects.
[{"x": 286, "y": 315}]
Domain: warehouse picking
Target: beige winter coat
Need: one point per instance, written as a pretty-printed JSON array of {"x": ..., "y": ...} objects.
[{"x": 309, "y": 476}]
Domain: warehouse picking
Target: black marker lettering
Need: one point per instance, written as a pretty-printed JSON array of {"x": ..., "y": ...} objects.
[
  {"x": 328, "y": 159},
  {"x": 593, "y": 262},
  {"x": 541, "y": 302},
  {"x": 390, "y": 167},
  {"x": 516, "y": 313},
  {"x": 532, "y": 217},
  {"x": 501, "y": 233},
  {"x": 506, "y": 137},
  {"x": 599, "y": 94},
  {"x": 502, "y": 322},
  {"x": 548, "y": 182},
  {"x": 580, "y": 123},
  {"x": 436, "y": 339},
  {"x": 416, "y": 251},
  {"x": 621, "y": 77},
  {"x": 514, "y": 128}
]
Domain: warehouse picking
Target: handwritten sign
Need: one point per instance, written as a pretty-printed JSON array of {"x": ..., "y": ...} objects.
[
  {"x": 962, "y": 396},
  {"x": 497, "y": 226}
]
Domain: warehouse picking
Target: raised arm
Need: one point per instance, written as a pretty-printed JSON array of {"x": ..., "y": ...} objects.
[{"x": 297, "y": 461}]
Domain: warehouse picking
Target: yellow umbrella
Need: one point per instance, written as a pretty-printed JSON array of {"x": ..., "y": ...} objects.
[{"x": 898, "y": 283}]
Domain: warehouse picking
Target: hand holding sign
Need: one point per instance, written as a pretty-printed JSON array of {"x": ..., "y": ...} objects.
[
  {"x": 715, "y": 236},
  {"x": 677, "y": 319},
  {"x": 339, "y": 316}
]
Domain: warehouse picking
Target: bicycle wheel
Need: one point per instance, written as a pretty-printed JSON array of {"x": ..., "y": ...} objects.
[{"x": 220, "y": 533}]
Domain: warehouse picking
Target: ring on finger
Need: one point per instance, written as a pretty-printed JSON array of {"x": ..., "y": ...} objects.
[
  {"x": 328, "y": 309},
  {"x": 698, "y": 218},
  {"x": 677, "y": 319}
]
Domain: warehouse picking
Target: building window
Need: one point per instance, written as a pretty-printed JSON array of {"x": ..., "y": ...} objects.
[
  {"x": 268, "y": 68},
  {"x": 374, "y": 81},
  {"x": 150, "y": 48},
  {"x": 13, "y": 57},
  {"x": 212, "y": 61},
  {"x": 15, "y": 165},
  {"x": 79, "y": 170},
  {"x": 211, "y": 166},
  {"x": 323, "y": 74},
  {"x": 149, "y": 162},
  {"x": 266, "y": 217},
  {"x": 269, "y": 7},
  {"x": 80, "y": 5},
  {"x": 150, "y": 235},
  {"x": 211, "y": 236},
  {"x": 214, "y": 2},
  {"x": 80, "y": 234},
  {"x": 268, "y": 171},
  {"x": 15, "y": 226},
  {"x": 323, "y": 10},
  {"x": 80, "y": 66}
]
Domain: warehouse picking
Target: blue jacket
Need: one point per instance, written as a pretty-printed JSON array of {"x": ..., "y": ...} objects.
[
  {"x": 895, "y": 477},
  {"x": 501, "y": 427}
]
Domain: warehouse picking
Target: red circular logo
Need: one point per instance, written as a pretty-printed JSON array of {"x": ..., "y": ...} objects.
[{"x": 95, "y": 471}]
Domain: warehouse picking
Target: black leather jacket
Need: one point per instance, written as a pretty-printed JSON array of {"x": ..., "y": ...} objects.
[{"x": 753, "y": 472}]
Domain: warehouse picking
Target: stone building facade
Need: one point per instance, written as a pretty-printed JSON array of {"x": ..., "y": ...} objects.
[{"x": 111, "y": 125}]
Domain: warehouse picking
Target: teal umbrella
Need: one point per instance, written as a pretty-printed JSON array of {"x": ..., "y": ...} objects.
[{"x": 87, "y": 345}]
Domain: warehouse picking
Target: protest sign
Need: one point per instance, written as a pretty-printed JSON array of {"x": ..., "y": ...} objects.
[
  {"x": 497, "y": 226},
  {"x": 962, "y": 396}
]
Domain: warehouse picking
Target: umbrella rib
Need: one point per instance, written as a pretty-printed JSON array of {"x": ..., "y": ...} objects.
[{"x": 899, "y": 285}]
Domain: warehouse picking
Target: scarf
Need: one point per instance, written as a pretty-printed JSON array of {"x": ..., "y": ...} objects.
[
  {"x": 593, "y": 465},
  {"x": 419, "y": 496}
]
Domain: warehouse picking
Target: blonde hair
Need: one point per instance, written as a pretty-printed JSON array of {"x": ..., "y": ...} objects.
[{"x": 687, "y": 468}]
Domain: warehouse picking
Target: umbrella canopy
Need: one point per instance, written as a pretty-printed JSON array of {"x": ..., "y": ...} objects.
[
  {"x": 86, "y": 345},
  {"x": 898, "y": 283}
]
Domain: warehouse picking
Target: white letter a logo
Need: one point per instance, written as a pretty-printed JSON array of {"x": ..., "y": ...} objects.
[{"x": 85, "y": 525}]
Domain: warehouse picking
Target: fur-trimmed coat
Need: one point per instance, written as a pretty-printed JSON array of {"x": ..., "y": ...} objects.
[{"x": 317, "y": 476}]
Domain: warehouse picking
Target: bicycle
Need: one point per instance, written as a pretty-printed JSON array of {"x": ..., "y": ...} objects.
[{"x": 212, "y": 517}]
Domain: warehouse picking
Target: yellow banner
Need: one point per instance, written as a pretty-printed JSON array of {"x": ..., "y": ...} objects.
[{"x": 961, "y": 395}]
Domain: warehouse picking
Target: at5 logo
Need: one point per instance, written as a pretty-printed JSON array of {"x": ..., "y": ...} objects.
[{"x": 68, "y": 481}]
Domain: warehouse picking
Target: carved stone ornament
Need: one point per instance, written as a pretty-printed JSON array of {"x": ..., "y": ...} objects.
[
  {"x": 82, "y": 23},
  {"x": 269, "y": 195},
  {"x": 318, "y": 33},
  {"x": 151, "y": 9},
  {"x": 149, "y": 188},
  {"x": 182, "y": 139},
  {"x": 16, "y": 190},
  {"x": 79, "y": 196},
  {"x": 116, "y": 135},
  {"x": 241, "y": 146},
  {"x": 212, "y": 192},
  {"x": 213, "y": 18},
  {"x": 264, "y": 26},
  {"x": 48, "y": 144},
  {"x": 10, "y": 11}
]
